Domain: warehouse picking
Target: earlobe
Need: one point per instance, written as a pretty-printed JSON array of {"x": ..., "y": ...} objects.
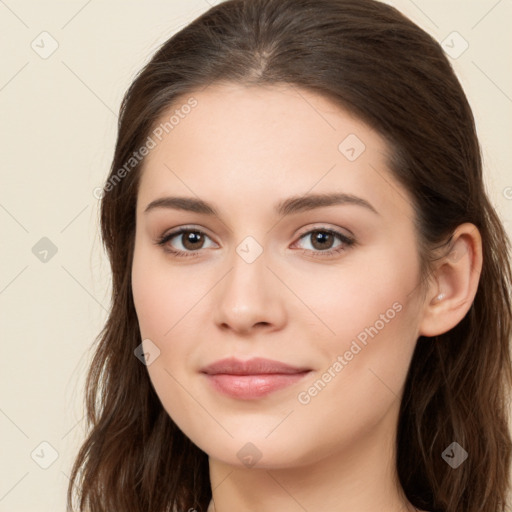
[{"x": 454, "y": 284}]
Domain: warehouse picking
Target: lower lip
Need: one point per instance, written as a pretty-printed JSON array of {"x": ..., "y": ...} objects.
[{"x": 249, "y": 387}]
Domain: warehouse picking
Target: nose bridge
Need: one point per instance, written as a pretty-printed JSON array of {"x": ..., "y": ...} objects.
[
  {"x": 247, "y": 280},
  {"x": 248, "y": 295}
]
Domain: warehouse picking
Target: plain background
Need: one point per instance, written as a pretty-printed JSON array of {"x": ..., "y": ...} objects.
[{"x": 58, "y": 129}]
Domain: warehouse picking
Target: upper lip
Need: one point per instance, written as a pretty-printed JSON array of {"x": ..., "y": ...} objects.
[{"x": 255, "y": 366}]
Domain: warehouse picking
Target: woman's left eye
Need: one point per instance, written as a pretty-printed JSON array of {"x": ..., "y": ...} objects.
[
  {"x": 323, "y": 237},
  {"x": 322, "y": 240}
]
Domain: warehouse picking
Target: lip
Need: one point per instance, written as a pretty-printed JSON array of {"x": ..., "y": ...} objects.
[{"x": 253, "y": 378}]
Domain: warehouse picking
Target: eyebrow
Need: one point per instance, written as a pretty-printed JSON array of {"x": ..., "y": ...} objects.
[{"x": 295, "y": 204}]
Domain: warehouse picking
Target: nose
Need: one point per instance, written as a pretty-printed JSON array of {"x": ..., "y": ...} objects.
[{"x": 249, "y": 298}]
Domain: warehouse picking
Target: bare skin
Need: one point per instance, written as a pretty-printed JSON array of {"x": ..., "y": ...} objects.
[{"x": 243, "y": 150}]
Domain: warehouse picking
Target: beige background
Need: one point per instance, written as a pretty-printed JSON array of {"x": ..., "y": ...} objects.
[{"x": 58, "y": 128}]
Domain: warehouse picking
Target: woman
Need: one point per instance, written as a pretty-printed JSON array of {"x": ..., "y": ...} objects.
[{"x": 311, "y": 290}]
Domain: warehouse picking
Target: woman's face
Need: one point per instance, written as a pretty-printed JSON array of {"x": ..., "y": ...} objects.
[{"x": 273, "y": 274}]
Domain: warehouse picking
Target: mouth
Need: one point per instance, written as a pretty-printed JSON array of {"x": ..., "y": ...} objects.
[{"x": 252, "y": 379}]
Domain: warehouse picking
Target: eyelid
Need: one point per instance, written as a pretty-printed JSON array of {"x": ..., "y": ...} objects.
[
  {"x": 186, "y": 227},
  {"x": 324, "y": 226}
]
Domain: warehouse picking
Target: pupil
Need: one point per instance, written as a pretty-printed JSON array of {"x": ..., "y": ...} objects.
[
  {"x": 193, "y": 237},
  {"x": 322, "y": 237}
]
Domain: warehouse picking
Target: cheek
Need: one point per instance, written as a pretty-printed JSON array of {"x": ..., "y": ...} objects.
[
  {"x": 158, "y": 312},
  {"x": 162, "y": 296},
  {"x": 370, "y": 318},
  {"x": 361, "y": 297},
  {"x": 362, "y": 381},
  {"x": 167, "y": 304}
]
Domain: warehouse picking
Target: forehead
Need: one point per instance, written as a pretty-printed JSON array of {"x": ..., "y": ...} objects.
[{"x": 240, "y": 142}]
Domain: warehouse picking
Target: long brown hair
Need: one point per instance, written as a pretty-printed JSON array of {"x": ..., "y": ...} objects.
[{"x": 375, "y": 62}]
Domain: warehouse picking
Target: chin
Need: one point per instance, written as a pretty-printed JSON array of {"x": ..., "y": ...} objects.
[{"x": 247, "y": 451}]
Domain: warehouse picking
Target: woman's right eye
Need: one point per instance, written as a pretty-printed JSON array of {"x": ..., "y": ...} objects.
[{"x": 189, "y": 237}]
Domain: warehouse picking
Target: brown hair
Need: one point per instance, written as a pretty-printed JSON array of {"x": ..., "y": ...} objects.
[{"x": 379, "y": 65}]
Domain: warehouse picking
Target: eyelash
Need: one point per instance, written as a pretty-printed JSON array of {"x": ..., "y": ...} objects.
[{"x": 347, "y": 242}]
